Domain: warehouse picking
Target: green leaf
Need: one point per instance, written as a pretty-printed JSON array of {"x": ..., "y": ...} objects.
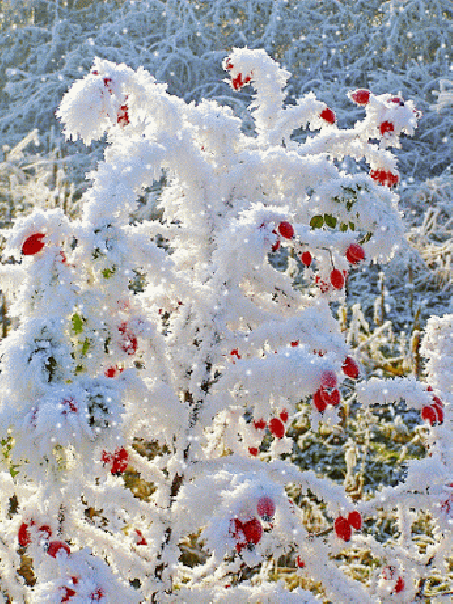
[
  {"x": 351, "y": 226},
  {"x": 343, "y": 226},
  {"x": 316, "y": 222},
  {"x": 366, "y": 238},
  {"x": 331, "y": 221},
  {"x": 77, "y": 324},
  {"x": 85, "y": 347}
]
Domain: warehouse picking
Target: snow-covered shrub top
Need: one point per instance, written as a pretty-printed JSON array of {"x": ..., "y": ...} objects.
[{"x": 212, "y": 355}]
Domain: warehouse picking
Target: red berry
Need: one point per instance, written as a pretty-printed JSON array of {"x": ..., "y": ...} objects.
[
  {"x": 33, "y": 244},
  {"x": 295, "y": 344},
  {"x": 97, "y": 595},
  {"x": 342, "y": 528},
  {"x": 24, "y": 535},
  {"x": 112, "y": 371},
  {"x": 355, "y": 520},
  {"x": 386, "y": 127},
  {"x": 120, "y": 461},
  {"x": 337, "y": 279},
  {"x": 399, "y": 585},
  {"x": 237, "y": 82},
  {"x": 335, "y": 397},
  {"x": 141, "y": 540},
  {"x": 259, "y": 424},
  {"x": 328, "y": 379},
  {"x": 361, "y": 97},
  {"x": 397, "y": 99},
  {"x": 319, "y": 402},
  {"x": 305, "y": 258},
  {"x": 265, "y": 508},
  {"x": 355, "y": 253},
  {"x": 235, "y": 353},
  {"x": 437, "y": 400},
  {"x": 45, "y": 528},
  {"x": 428, "y": 413},
  {"x": 328, "y": 115},
  {"x": 57, "y": 546},
  {"x": 129, "y": 343},
  {"x": 68, "y": 593},
  {"x": 253, "y": 451},
  {"x": 122, "y": 116},
  {"x": 388, "y": 572},
  {"x": 439, "y": 412},
  {"x": 253, "y": 530},
  {"x": 350, "y": 368},
  {"x": 286, "y": 229},
  {"x": 284, "y": 415},
  {"x": 300, "y": 563},
  {"x": 228, "y": 63},
  {"x": 277, "y": 428}
]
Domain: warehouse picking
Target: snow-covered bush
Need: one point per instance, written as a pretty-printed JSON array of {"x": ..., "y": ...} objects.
[{"x": 185, "y": 350}]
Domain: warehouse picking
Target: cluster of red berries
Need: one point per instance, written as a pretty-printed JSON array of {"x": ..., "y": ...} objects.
[
  {"x": 24, "y": 536},
  {"x": 119, "y": 460},
  {"x": 286, "y": 230},
  {"x": 129, "y": 343},
  {"x": 328, "y": 115},
  {"x": 53, "y": 548},
  {"x": 326, "y": 394},
  {"x": 389, "y": 573},
  {"x": 343, "y": 526},
  {"x": 434, "y": 412},
  {"x": 249, "y": 532},
  {"x": 237, "y": 82},
  {"x": 276, "y": 427},
  {"x": 385, "y": 177},
  {"x": 355, "y": 254}
]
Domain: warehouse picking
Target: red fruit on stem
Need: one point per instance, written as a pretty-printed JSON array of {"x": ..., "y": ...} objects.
[
  {"x": 328, "y": 115},
  {"x": 399, "y": 585},
  {"x": 350, "y": 368},
  {"x": 305, "y": 258},
  {"x": 300, "y": 563},
  {"x": 259, "y": 424},
  {"x": 386, "y": 127},
  {"x": 57, "y": 546},
  {"x": 295, "y": 344},
  {"x": 33, "y": 244},
  {"x": 286, "y": 229},
  {"x": 235, "y": 353},
  {"x": 112, "y": 371},
  {"x": 335, "y": 397},
  {"x": 328, "y": 379},
  {"x": 120, "y": 461},
  {"x": 428, "y": 413},
  {"x": 253, "y": 530},
  {"x": 24, "y": 535},
  {"x": 68, "y": 594},
  {"x": 277, "y": 428},
  {"x": 398, "y": 100},
  {"x": 342, "y": 528},
  {"x": 388, "y": 572},
  {"x": 319, "y": 402},
  {"x": 437, "y": 400},
  {"x": 439, "y": 412},
  {"x": 337, "y": 279},
  {"x": 355, "y": 520},
  {"x": 266, "y": 508},
  {"x": 361, "y": 97},
  {"x": 141, "y": 540},
  {"x": 325, "y": 396},
  {"x": 355, "y": 253},
  {"x": 122, "y": 116},
  {"x": 97, "y": 594},
  {"x": 237, "y": 82},
  {"x": 284, "y": 415},
  {"x": 253, "y": 451}
]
